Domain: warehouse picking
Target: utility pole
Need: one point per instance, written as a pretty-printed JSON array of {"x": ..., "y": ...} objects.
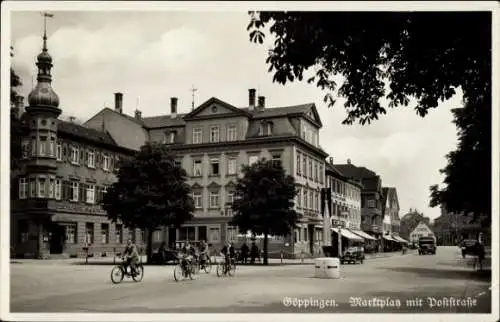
[{"x": 193, "y": 90}]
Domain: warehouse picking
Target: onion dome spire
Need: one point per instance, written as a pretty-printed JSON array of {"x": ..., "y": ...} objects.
[{"x": 43, "y": 95}]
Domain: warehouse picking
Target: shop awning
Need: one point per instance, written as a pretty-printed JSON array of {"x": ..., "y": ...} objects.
[
  {"x": 347, "y": 234},
  {"x": 363, "y": 234},
  {"x": 387, "y": 237},
  {"x": 399, "y": 239}
]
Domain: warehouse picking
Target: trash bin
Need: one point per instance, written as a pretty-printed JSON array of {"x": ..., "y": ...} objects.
[{"x": 327, "y": 267}]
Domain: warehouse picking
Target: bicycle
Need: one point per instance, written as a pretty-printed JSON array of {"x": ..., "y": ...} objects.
[
  {"x": 225, "y": 268},
  {"x": 123, "y": 270},
  {"x": 184, "y": 269},
  {"x": 204, "y": 263}
]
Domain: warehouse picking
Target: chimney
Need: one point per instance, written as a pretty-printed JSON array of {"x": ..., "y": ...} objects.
[
  {"x": 331, "y": 160},
  {"x": 72, "y": 119},
  {"x": 251, "y": 98},
  {"x": 138, "y": 114},
  {"x": 119, "y": 102},
  {"x": 173, "y": 107},
  {"x": 262, "y": 102},
  {"x": 348, "y": 161}
]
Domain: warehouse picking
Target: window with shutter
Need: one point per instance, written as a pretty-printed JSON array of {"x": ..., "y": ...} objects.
[{"x": 111, "y": 162}]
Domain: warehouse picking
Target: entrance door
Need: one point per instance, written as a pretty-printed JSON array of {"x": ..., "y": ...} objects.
[{"x": 57, "y": 237}]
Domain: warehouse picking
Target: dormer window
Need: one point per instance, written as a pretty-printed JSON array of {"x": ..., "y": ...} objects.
[
  {"x": 266, "y": 128},
  {"x": 169, "y": 137},
  {"x": 269, "y": 128}
]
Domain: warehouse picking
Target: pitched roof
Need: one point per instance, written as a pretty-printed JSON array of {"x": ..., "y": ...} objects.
[
  {"x": 163, "y": 121},
  {"x": 268, "y": 112},
  {"x": 131, "y": 118},
  {"x": 83, "y": 132},
  {"x": 278, "y": 111},
  {"x": 353, "y": 171}
]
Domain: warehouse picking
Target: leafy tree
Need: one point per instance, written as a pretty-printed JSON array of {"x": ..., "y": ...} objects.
[
  {"x": 16, "y": 129},
  {"x": 399, "y": 56},
  {"x": 151, "y": 191},
  {"x": 264, "y": 201},
  {"x": 468, "y": 166},
  {"x": 410, "y": 221}
]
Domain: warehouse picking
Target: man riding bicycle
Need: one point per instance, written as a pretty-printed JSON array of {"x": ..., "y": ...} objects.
[
  {"x": 229, "y": 253},
  {"x": 131, "y": 255},
  {"x": 203, "y": 250}
]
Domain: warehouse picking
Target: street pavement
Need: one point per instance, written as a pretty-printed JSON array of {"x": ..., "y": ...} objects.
[{"x": 444, "y": 283}]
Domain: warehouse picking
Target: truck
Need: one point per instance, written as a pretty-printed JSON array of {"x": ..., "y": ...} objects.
[{"x": 427, "y": 245}]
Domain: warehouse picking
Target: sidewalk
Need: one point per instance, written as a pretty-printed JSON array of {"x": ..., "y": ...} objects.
[{"x": 109, "y": 260}]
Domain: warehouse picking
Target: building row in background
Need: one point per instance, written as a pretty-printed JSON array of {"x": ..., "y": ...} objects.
[{"x": 67, "y": 167}]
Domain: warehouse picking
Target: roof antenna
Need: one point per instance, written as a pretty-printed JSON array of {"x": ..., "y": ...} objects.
[{"x": 193, "y": 90}]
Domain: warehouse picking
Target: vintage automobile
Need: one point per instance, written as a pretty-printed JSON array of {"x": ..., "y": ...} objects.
[
  {"x": 426, "y": 245},
  {"x": 468, "y": 247},
  {"x": 164, "y": 257},
  {"x": 353, "y": 255}
]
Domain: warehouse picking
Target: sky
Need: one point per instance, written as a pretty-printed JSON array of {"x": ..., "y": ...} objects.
[{"x": 152, "y": 56}]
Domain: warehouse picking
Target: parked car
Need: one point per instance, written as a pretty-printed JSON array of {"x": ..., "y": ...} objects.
[
  {"x": 164, "y": 257},
  {"x": 468, "y": 247},
  {"x": 353, "y": 255},
  {"x": 426, "y": 245}
]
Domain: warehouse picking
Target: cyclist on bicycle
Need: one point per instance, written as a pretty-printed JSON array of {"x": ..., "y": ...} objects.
[
  {"x": 203, "y": 249},
  {"x": 131, "y": 255},
  {"x": 228, "y": 252},
  {"x": 187, "y": 252}
]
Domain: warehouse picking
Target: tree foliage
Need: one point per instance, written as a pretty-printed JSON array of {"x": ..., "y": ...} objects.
[
  {"x": 151, "y": 191},
  {"x": 399, "y": 56},
  {"x": 16, "y": 129},
  {"x": 264, "y": 201},
  {"x": 468, "y": 173},
  {"x": 410, "y": 221},
  {"x": 425, "y": 55}
]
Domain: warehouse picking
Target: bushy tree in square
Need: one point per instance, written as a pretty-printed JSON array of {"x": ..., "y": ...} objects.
[
  {"x": 264, "y": 202},
  {"x": 151, "y": 192}
]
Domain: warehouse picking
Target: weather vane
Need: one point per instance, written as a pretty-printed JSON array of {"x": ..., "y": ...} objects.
[{"x": 45, "y": 16}]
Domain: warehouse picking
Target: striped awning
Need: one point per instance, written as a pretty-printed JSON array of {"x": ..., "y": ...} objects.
[
  {"x": 347, "y": 234},
  {"x": 363, "y": 234},
  {"x": 399, "y": 239},
  {"x": 388, "y": 237}
]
